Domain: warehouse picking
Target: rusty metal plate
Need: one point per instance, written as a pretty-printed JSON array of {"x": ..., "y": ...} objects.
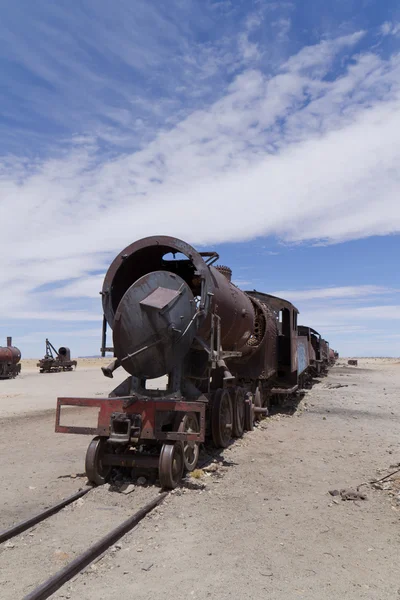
[
  {"x": 150, "y": 343},
  {"x": 160, "y": 298},
  {"x": 303, "y": 359}
]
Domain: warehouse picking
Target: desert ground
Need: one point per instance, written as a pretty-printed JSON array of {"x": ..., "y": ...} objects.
[{"x": 258, "y": 522}]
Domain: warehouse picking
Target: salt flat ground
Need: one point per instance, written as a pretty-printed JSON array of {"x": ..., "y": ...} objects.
[{"x": 263, "y": 526}]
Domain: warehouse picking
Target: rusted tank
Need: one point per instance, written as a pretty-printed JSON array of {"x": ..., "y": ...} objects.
[
  {"x": 182, "y": 299},
  {"x": 64, "y": 354},
  {"x": 9, "y": 360}
]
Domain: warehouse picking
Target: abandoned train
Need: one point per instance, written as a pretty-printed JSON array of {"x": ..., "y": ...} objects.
[
  {"x": 227, "y": 355},
  {"x": 9, "y": 360},
  {"x": 55, "y": 361}
]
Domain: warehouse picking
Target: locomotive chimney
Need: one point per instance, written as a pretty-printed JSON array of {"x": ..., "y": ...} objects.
[
  {"x": 9, "y": 342},
  {"x": 226, "y": 271}
]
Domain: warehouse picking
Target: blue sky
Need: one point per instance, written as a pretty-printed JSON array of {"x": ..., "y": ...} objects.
[{"x": 267, "y": 130}]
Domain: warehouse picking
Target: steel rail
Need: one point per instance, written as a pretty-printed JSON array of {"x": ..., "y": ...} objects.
[
  {"x": 54, "y": 583},
  {"x": 23, "y": 525}
]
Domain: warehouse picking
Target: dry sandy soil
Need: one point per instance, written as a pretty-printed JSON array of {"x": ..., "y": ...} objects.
[{"x": 262, "y": 525}]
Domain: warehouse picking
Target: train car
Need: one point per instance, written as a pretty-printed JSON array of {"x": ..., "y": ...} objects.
[
  {"x": 226, "y": 356},
  {"x": 318, "y": 350},
  {"x": 306, "y": 358},
  {"x": 325, "y": 356},
  {"x": 273, "y": 365},
  {"x": 9, "y": 361}
]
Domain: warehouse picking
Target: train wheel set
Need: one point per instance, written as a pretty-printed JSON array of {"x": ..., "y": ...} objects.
[{"x": 226, "y": 420}]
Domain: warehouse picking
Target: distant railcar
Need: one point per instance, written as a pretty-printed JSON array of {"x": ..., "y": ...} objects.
[
  {"x": 10, "y": 357},
  {"x": 54, "y": 361}
]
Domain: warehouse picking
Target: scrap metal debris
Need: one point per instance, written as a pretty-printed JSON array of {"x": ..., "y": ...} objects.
[{"x": 349, "y": 494}]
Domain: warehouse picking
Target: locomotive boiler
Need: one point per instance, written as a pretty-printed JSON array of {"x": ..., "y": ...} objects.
[
  {"x": 9, "y": 360},
  {"x": 226, "y": 356}
]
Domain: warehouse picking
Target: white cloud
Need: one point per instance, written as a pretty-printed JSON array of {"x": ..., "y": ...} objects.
[
  {"x": 340, "y": 315},
  {"x": 290, "y": 153},
  {"x": 355, "y": 331},
  {"x": 333, "y": 292},
  {"x": 332, "y": 174},
  {"x": 283, "y": 27},
  {"x": 52, "y": 315},
  {"x": 320, "y": 57},
  {"x": 325, "y": 315},
  {"x": 86, "y": 287},
  {"x": 58, "y": 336},
  {"x": 389, "y": 28},
  {"x": 242, "y": 283}
]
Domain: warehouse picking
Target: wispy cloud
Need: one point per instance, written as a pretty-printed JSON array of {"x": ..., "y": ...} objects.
[
  {"x": 346, "y": 292},
  {"x": 355, "y": 319},
  {"x": 223, "y": 141},
  {"x": 389, "y": 28},
  {"x": 301, "y": 178}
]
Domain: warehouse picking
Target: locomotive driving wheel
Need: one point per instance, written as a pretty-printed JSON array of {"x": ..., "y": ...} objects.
[
  {"x": 239, "y": 408},
  {"x": 171, "y": 465},
  {"x": 189, "y": 424},
  {"x": 222, "y": 418},
  {"x": 96, "y": 472}
]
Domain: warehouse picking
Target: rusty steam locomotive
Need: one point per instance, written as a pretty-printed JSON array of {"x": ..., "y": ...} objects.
[
  {"x": 227, "y": 356},
  {"x": 9, "y": 360},
  {"x": 55, "y": 361}
]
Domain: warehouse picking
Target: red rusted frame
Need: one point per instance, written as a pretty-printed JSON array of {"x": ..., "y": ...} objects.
[{"x": 146, "y": 408}]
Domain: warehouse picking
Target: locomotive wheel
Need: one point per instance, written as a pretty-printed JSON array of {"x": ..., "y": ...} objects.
[
  {"x": 249, "y": 413},
  {"x": 239, "y": 408},
  {"x": 96, "y": 472},
  {"x": 191, "y": 449},
  {"x": 221, "y": 418},
  {"x": 171, "y": 465}
]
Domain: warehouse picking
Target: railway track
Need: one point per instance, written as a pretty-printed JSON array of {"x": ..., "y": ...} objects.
[
  {"x": 8, "y": 534},
  {"x": 56, "y": 581},
  {"x": 51, "y": 585}
]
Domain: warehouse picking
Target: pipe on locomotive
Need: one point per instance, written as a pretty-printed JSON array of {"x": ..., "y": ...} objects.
[{"x": 160, "y": 307}]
